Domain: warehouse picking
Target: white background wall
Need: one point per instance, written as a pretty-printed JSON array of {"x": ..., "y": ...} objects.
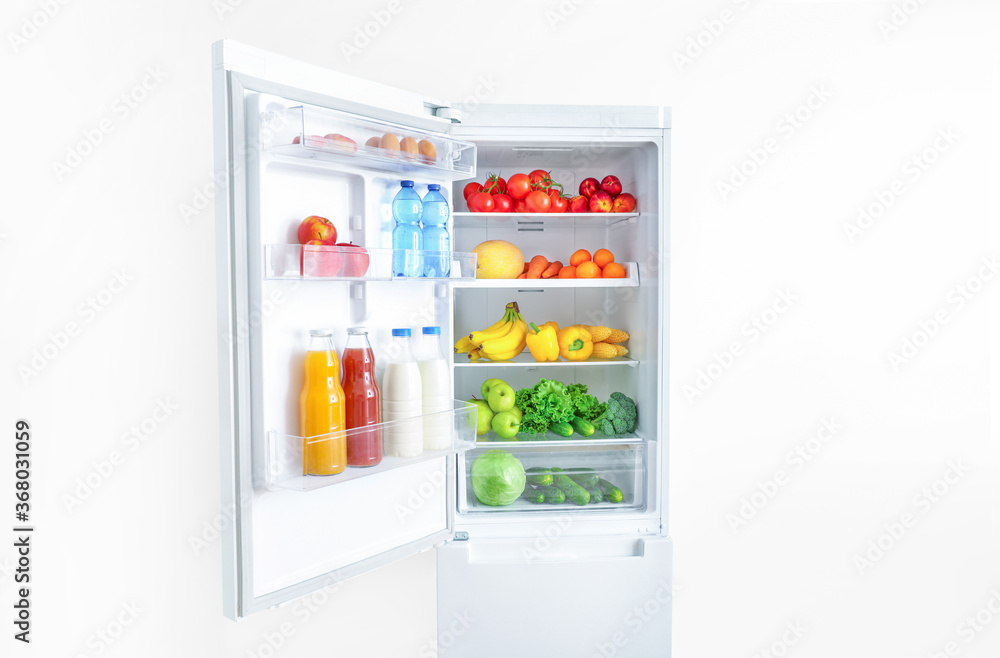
[{"x": 888, "y": 94}]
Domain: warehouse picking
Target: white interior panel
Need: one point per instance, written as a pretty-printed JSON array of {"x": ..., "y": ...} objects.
[{"x": 554, "y": 596}]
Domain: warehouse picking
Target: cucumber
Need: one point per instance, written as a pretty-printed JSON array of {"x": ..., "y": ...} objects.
[
  {"x": 533, "y": 495},
  {"x": 562, "y": 429},
  {"x": 612, "y": 494},
  {"x": 585, "y": 477},
  {"x": 553, "y": 495},
  {"x": 538, "y": 476},
  {"x": 595, "y": 495},
  {"x": 583, "y": 426},
  {"x": 574, "y": 492}
]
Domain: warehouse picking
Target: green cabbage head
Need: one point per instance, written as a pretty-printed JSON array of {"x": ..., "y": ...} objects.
[{"x": 497, "y": 477}]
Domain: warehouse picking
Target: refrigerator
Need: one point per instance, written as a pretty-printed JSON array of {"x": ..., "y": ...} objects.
[{"x": 558, "y": 579}]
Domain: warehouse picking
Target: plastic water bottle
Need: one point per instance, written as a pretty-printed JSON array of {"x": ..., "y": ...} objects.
[
  {"x": 435, "y": 381},
  {"x": 435, "y": 220},
  {"x": 406, "y": 236}
]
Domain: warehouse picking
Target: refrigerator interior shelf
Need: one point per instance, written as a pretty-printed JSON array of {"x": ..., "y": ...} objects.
[
  {"x": 541, "y": 220},
  {"x": 332, "y": 263},
  {"x": 312, "y": 133},
  {"x": 630, "y": 280},
  {"x": 524, "y": 359},
  {"x": 550, "y": 440},
  {"x": 284, "y": 454}
]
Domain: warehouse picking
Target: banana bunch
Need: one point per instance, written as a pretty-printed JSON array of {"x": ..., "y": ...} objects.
[{"x": 499, "y": 342}]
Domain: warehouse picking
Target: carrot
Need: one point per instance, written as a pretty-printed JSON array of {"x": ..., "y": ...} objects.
[
  {"x": 536, "y": 267},
  {"x": 525, "y": 268},
  {"x": 523, "y": 275},
  {"x": 552, "y": 270}
]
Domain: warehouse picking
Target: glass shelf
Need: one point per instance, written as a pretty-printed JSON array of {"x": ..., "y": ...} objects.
[
  {"x": 332, "y": 263},
  {"x": 311, "y": 133},
  {"x": 524, "y": 359},
  {"x": 630, "y": 280},
  {"x": 536, "y": 220},
  {"x": 285, "y": 451}
]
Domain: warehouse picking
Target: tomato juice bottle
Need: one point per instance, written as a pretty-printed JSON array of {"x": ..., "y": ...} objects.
[{"x": 363, "y": 401}]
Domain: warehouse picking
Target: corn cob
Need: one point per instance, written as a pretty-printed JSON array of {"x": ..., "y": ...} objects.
[
  {"x": 608, "y": 351},
  {"x": 598, "y": 334},
  {"x": 617, "y": 336}
]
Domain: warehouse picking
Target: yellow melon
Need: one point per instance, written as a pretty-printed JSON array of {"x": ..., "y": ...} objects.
[{"x": 498, "y": 259}]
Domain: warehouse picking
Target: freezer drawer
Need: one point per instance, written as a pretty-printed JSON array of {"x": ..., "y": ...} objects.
[{"x": 547, "y": 596}]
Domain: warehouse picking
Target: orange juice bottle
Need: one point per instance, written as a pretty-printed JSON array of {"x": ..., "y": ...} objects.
[{"x": 321, "y": 408}]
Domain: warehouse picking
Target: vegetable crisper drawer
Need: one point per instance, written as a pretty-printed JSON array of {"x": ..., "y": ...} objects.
[{"x": 588, "y": 479}]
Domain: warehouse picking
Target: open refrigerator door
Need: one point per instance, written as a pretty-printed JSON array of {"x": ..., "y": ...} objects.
[
  {"x": 565, "y": 571},
  {"x": 292, "y": 142}
]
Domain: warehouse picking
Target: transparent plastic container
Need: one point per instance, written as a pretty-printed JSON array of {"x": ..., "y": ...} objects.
[{"x": 407, "y": 237}]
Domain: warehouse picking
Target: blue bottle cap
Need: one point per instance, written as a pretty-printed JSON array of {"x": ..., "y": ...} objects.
[
  {"x": 432, "y": 331},
  {"x": 401, "y": 332},
  {"x": 406, "y": 183},
  {"x": 433, "y": 187}
]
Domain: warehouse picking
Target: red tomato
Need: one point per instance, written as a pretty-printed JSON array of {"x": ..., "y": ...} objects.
[
  {"x": 481, "y": 202},
  {"x": 538, "y": 201},
  {"x": 502, "y": 203},
  {"x": 518, "y": 186},
  {"x": 560, "y": 203},
  {"x": 520, "y": 205},
  {"x": 495, "y": 184},
  {"x": 540, "y": 179},
  {"x": 471, "y": 188}
]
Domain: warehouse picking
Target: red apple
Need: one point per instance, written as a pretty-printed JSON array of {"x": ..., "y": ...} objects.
[
  {"x": 623, "y": 203},
  {"x": 612, "y": 186},
  {"x": 298, "y": 138},
  {"x": 579, "y": 204},
  {"x": 600, "y": 201},
  {"x": 355, "y": 259},
  {"x": 320, "y": 258},
  {"x": 315, "y": 227},
  {"x": 588, "y": 186},
  {"x": 341, "y": 143}
]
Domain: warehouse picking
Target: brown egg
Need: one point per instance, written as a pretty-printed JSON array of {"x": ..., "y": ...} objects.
[
  {"x": 408, "y": 146},
  {"x": 373, "y": 141},
  {"x": 389, "y": 142},
  {"x": 427, "y": 151}
]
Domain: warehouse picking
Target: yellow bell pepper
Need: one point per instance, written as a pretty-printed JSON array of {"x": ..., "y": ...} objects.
[
  {"x": 543, "y": 342},
  {"x": 575, "y": 343}
]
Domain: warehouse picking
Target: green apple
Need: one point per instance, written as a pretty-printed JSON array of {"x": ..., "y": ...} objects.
[
  {"x": 484, "y": 416},
  {"x": 506, "y": 424},
  {"x": 487, "y": 385},
  {"x": 517, "y": 412},
  {"x": 501, "y": 397}
]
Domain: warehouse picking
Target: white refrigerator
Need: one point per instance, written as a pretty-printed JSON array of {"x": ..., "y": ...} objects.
[{"x": 548, "y": 579}]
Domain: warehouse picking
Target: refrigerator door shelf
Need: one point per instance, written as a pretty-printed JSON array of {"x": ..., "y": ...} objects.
[
  {"x": 285, "y": 462},
  {"x": 331, "y": 136},
  {"x": 630, "y": 280},
  {"x": 589, "y": 479},
  {"x": 294, "y": 262}
]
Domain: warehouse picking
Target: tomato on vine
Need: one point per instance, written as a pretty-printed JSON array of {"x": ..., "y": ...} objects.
[
  {"x": 481, "y": 202},
  {"x": 471, "y": 188},
  {"x": 538, "y": 201},
  {"x": 559, "y": 202},
  {"x": 502, "y": 203},
  {"x": 495, "y": 184},
  {"x": 518, "y": 186}
]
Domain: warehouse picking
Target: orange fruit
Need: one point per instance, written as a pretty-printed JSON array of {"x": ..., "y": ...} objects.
[
  {"x": 614, "y": 271},
  {"x": 602, "y": 257},
  {"x": 579, "y": 256},
  {"x": 588, "y": 270},
  {"x": 567, "y": 272}
]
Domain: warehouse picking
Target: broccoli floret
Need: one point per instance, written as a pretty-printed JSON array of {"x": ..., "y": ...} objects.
[{"x": 620, "y": 417}]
